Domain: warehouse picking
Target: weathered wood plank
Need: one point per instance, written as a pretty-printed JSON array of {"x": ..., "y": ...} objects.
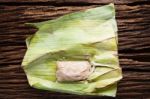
[
  {"x": 134, "y": 47},
  {"x": 62, "y": 2}
]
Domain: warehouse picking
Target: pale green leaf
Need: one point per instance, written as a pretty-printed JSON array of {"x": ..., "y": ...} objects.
[{"x": 89, "y": 35}]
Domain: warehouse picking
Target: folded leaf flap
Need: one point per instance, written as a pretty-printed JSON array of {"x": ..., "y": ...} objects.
[
  {"x": 98, "y": 72},
  {"x": 109, "y": 78},
  {"x": 46, "y": 42},
  {"x": 103, "y": 13},
  {"x": 107, "y": 91}
]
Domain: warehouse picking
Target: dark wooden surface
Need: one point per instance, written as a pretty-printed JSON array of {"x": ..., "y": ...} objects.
[{"x": 133, "y": 17}]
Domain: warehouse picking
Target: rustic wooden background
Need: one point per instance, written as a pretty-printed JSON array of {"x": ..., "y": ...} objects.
[{"x": 133, "y": 17}]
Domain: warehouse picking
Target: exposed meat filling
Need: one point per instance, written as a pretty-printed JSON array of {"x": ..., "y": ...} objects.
[{"x": 72, "y": 70}]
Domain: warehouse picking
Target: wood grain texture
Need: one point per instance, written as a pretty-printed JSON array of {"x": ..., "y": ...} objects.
[
  {"x": 134, "y": 45},
  {"x": 76, "y": 1}
]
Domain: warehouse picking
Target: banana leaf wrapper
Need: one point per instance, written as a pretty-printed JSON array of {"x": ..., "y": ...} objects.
[{"x": 86, "y": 35}]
